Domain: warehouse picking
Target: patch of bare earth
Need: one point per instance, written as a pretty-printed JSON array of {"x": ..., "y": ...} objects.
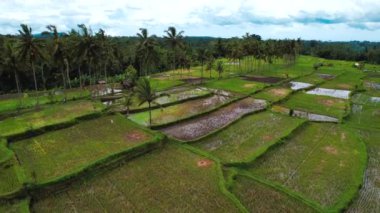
[
  {"x": 204, "y": 163},
  {"x": 344, "y": 86},
  {"x": 249, "y": 85},
  {"x": 201, "y": 126},
  {"x": 279, "y": 92},
  {"x": 330, "y": 150},
  {"x": 135, "y": 135}
]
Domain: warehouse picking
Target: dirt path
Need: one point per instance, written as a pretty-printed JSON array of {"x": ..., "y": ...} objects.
[{"x": 196, "y": 128}]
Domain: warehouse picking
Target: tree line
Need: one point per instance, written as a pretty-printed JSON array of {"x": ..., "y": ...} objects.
[{"x": 81, "y": 57}]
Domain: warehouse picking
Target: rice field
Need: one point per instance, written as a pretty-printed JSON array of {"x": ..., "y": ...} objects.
[
  {"x": 55, "y": 155},
  {"x": 323, "y": 162},
  {"x": 249, "y": 138},
  {"x": 48, "y": 116},
  {"x": 170, "y": 179},
  {"x": 174, "y": 113},
  {"x": 237, "y": 85},
  {"x": 274, "y": 94}
]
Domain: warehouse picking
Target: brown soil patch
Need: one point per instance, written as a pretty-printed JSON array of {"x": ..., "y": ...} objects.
[
  {"x": 249, "y": 85},
  {"x": 135, "y": 135},
  {"x": 327, "y": 102},
  {"x": 344, "y": 86},
  {"x": 204, "y": 163},
  {"x": 279, "y": 92},
  {"x": 267, "y": 137},
  {"x": 343, "y": 136},
  {"x": 263, "y": 79},
  {"x": 330, "y": 150}
]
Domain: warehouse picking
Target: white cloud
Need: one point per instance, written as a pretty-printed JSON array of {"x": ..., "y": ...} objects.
[{"x": 323, "y": 19}]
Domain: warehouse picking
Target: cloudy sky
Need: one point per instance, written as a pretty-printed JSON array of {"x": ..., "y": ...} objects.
[{"x": 309, "y": 19}]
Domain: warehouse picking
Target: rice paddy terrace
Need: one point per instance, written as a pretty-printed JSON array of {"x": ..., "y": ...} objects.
[{"x": 283, "y": 139}]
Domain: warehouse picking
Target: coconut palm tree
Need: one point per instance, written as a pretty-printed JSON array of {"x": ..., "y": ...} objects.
[
  {"x": 146, "y": 49},
  {"x": 146, "y": 94},
  {"x": 175, "y": 41},
  {"x": 87, "y": 48},
  {"x": 11, "y": 61},
  {"x": 29, "y": 49},
  {"x": 58, "y": 53},
  {"x": 219, "y": 68},
  {"x": 202, "y": 55}
]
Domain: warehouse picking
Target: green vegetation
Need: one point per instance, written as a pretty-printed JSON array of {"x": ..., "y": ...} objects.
[
  {"x": 237, "y": 85},
  {"x": 170, "y": 114},
  {"x": 30, "y": 100},
  {"x": 249, "y": 137},
  {"x": 48, "y": 116},
  {"x": 260, "y": 198},
  {"x": 168, "y": 179},
  {"x": 55, "y": 155},
  {"x": 346, "y": 81},
  {"x": 323, "y": 105},
  {"x": 273, "y": 94},
  {"x": 324, "y": 162},
  {"x": 17, "y": 206},
  {"x": 164, "y": 84}
]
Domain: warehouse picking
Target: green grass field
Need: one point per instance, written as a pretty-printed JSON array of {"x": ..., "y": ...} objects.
[
  {"x": 346, "y": 81},
  {"x": 61, "y": 153},
  {"x": 249, "y": 138},
  {"x": 47, "y": 116},
  {"x": 30, "y": 100},
  {"x": 164, "y": 84},
  {"x": 166, "y": 180},
  {"x": 170, "y": 114},
  {"x": 324, "y": 162},
  {"x": 323, "y": 105},
  {"x": 273, "y": 94},
  {"x": 237, "y": 85},
  {"x": 17, "y": 206},
  {"x": 257, "y": 197}
]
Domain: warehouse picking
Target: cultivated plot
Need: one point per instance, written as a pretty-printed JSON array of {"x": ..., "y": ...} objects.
[
  {"x": 250, "y": 137},
  {"x": 63, "y": 153},
  {"x": 195, "y": 128},
  {"x": 346, "y": 81},
  {"x": 257, "y": 197},
  {"x": 48, "y": 116},
  {"x": 170, "y": 114},
  {"x": 274, "y": 94},
  {"x": 324, "y": 162},
  {"x": 237, "y": 84},
  {"x": 170, "y": 179},
  {"x": 334, "y": 107},
  {"x": 15, "y": 206},
  {"x": 369, "y": 195}
]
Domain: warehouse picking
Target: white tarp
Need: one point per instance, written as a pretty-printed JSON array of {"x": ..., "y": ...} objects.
[
  {"x": 336, "y": 93},
  {"x": 299, "y": 85}
]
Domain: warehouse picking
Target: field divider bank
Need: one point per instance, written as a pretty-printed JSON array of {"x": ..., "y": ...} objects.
[
  {"x": 221, "y": 180},
  {"x": 280, "y": 188}
]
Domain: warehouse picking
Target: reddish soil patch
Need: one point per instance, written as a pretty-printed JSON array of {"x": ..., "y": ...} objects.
[
  {"x": 330, "y": 150},
  {"x": 263, "y": 79},
  {"x": 279, "y": 92},
  {"x": 267, "y": 137},
  {"x": 135, "y": 135},
  {"x": 327, "y": 102},
  {"x": 204, "y": 163},
  {"x": 344, "y": 86}
]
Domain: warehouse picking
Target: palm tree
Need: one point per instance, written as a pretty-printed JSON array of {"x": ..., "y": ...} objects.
[
  {"x": 87, "y": 48},
  {"x": 146, "y": 94},
  {"x": 128, "y": 101},
  {"x": 219, "y": 68},
  {"x": 29, "y": 49},
  {"x": 10, "y": 62},
  {"x": 175, "y": 41},
  {"x": 202, "y": 57},
  {"x": 58, "y": 53},
  {"x": 209, "y": 65},
  {"x": 146, "y": 49}
]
